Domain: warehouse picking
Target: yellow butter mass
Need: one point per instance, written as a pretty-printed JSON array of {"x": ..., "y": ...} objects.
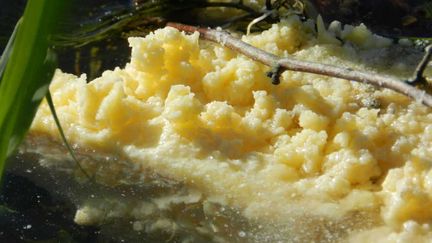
[{"x": 323, "y": 147}]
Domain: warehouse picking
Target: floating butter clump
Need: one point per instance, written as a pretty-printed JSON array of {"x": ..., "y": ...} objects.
[{"x": 316, "y": 146}]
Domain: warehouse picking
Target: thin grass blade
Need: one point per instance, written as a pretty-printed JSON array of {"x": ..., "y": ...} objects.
[{"x": 7, "y": 51}]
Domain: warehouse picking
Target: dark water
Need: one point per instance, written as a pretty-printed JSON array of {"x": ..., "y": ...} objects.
[{"x": 29, "y": 213}]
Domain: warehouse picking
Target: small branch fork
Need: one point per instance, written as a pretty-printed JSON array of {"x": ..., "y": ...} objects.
[{"x": 280, "y": 65}]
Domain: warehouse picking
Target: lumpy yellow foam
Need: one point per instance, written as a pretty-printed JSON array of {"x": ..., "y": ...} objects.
[{"x": 206, "y": 116}]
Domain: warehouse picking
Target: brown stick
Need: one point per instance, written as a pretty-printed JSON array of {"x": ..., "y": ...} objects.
[{"x": 382, "y": 81}]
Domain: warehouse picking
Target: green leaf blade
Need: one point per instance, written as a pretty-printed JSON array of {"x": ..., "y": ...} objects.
[{"x": 29, "y": 68}]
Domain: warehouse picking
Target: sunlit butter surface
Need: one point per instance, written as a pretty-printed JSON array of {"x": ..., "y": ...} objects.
[{"x": 310, "y": 149}]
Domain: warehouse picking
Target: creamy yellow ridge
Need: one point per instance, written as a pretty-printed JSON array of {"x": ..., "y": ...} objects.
[{"x": 201, "y": 114}]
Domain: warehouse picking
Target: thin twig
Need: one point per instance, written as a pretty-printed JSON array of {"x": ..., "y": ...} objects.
[
  {"x": 382, "y": 81},
  {"x": 418, "y": 73},
  {"x": 257, "y": 20}
]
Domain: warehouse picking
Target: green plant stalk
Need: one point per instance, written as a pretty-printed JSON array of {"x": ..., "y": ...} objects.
[
  {"x": 62, "y": 135},
  {"x": 27, "y": 73}
]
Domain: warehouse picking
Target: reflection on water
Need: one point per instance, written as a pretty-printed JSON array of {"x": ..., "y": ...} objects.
[{"x": 45, "y": 201}]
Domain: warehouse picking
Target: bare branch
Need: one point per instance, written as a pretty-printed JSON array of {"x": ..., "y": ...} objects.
[{"x": 280, "y": 64}]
